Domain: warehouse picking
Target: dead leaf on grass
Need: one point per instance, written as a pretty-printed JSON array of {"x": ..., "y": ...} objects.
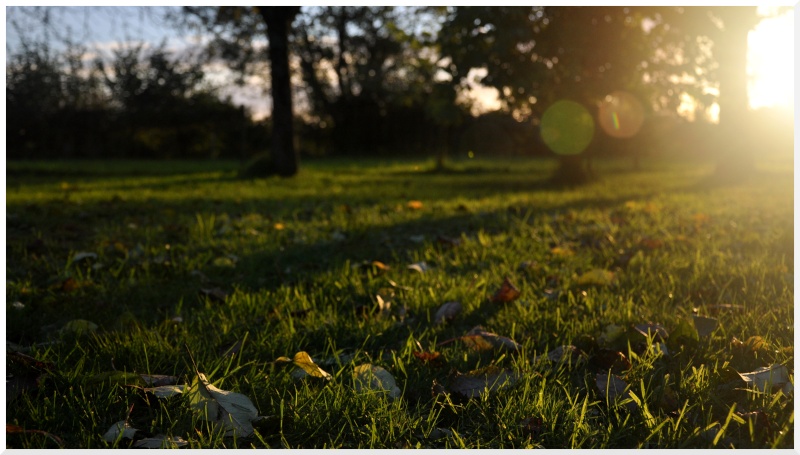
[
  {"x": 433, "y": 358},
  {"x": 507, "y": 293},
  {"x": 489, "y": 379},
  {"x": 769, "y": 378},
  {"x": 614, "y": 388},
  {"x": 447, "y": 312},
  {"x": 375, "y": 378},
  {"x": 305, "y": 366},
  {"x": 158, "y": 380},
  {"x": 160, "y": 441},
  {"x": 705, "y": 326},
  {"x": 562, "y": 354},
  {"x": 481, "y": 340},
  {"x": 234, "y": 411},
  {"x": 121, "y": 429},
  {"x": 83, "y": 255},
  {"x": 420, "y": 267}
]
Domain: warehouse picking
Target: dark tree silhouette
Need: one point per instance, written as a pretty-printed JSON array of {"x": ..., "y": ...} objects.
[{"x": 279, "y": 20}]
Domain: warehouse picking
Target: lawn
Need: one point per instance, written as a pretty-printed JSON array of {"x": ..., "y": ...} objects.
[{"x": 172, "y": 304}]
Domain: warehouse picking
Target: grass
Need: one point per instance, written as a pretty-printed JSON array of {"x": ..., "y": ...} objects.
[{"x": 293, "y": 258}]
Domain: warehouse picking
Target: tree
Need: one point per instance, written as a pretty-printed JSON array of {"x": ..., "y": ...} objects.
[
  {"x": 235, "y": 30},
  {"x": 534, "y": 55},
  {"x": 279, "y": 20},
  {"x": 366, "y": 73}
]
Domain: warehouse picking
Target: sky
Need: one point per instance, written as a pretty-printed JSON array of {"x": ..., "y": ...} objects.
[{"x": 770, "y": 53}]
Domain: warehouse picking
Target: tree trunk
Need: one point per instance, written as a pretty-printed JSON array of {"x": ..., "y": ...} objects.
[
  {"x": 736, "y": 156},
  {"x": 278, "y": 20}
]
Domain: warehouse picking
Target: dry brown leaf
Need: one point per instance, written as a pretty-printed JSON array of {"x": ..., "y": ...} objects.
[
  {"x": 481, "y": 340},
  {"x": 488, "y": 379},
  {"x": 447, "y": 312},
  {"x": 433, "y": 358},
  {"x": 507, "y": 293}
]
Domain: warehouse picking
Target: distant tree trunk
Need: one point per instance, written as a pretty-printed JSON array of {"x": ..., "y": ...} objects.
[
  {"x": 736, "y": 158},
  {"x": 571, "y": 172},
  {"x": 278, "y": 20}
]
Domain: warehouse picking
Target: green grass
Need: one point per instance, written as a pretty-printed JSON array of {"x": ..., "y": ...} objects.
[{"x": 294, "y": 255}]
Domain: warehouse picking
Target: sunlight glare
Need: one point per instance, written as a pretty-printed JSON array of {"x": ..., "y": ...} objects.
[{"x": 771, "y": 62}]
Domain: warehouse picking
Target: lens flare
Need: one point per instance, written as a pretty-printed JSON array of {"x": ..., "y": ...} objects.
[
  {"x": 620, "y": 115},
  {"x": 567, "y": 128}
]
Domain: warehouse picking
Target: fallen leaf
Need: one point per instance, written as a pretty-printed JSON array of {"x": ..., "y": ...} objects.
[
  {"x": 234, "y": 411},
  {"x": 433, "y": 358},
  {"x": 375, "y": 378},
  {"x": 767, "y": 378},
  {"x": 613, "y": 387},
  {"x": 160, "y": 441},
  {"x": 307, "y": 366},
  {"x": 561, "y": 354},
  {"x": 420, "y": 267},
  {"x": 166, "y": 391},
  {"x": 507, "y": 293},
  {"x": 447, "y": 312},
  {"x": 489, "y": 379},
  {"x": 158, "y": 380},
  {"x": 705, "y": 326},
  {"x": 121, "y": 429},
  {"x": 481, "y": 340},
  {"x": 414, "y": 205},
  {"x": 83, "y": 255},
  {"x": 610, "y": 333}
]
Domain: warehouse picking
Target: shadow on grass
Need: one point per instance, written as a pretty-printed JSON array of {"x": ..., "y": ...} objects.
[{"x": 68, "y": 228}]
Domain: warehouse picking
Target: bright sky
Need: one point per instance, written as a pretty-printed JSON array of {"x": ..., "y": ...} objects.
[{"x": 770, "y": 53}]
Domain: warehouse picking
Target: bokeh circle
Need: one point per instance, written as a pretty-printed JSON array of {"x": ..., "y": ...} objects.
[
  {"x": 567, "y": 127},
  {"x": 620, "y": 115}
]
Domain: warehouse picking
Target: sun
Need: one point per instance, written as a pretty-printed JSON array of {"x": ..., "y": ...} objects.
[{"x": 771, "y": 62}]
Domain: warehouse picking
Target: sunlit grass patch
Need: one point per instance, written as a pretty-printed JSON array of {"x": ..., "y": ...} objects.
[{"x": 110, "y": 277}]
